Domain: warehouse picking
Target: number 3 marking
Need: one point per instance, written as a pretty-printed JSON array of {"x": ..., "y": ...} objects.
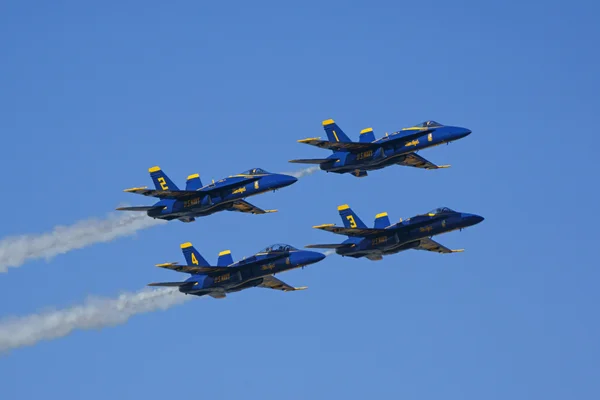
[{"x": 352, "y": 222}]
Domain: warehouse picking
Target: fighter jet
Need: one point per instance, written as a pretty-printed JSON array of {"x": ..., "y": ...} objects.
[
  {"x": 386, "y": 238},
  {"x": 368, "y": 154},
  {"x": 228, "y": 276},
  {"x": 198, "y": 200}
]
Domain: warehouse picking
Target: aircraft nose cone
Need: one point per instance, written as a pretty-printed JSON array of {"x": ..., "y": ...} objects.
[
  {"x": 311, "y": 257},
  {"x": 473, "y": 219},
  {"x": 462, "y": 132},
  {"x": 286, "y": 180}
]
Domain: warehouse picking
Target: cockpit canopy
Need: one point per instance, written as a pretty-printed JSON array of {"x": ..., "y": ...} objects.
[
  {"x": 428, "y": 124},
  {"x": 255, "y": 171},
  {"x": 278, "y": 248},
  {"x": 441, "y": 210}
]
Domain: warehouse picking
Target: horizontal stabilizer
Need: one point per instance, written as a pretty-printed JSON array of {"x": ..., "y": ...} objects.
[
  {"x": 337, "y": 146},
  {"x": 330, "y": 246},
  {"x": 163, "y": 194},
  {"x": 141, "y": 208},
  {"x": 191, "y": 269},
  {"x": 170, "y": 284},
  {"x": 354, "y": 232},
  {"x": 317, "y": 161}
]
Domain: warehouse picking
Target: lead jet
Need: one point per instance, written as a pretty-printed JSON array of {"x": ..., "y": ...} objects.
[
  {"x": 386, "y": 238},
  {"x": 199, "y": 200},
  {"x": 370, "y": 154},
  {"x": 228, "y": 276}
]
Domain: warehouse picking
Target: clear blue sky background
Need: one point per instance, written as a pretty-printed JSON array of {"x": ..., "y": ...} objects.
[{"x": 94, "y": 94}]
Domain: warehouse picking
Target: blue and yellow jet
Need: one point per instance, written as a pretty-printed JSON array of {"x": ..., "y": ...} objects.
[
  {"x": 386, "y": 238},
  {"x": 371, "y": 154},
  {"x": 228, "y": 276},
  {"x": 198, "y": 201}
]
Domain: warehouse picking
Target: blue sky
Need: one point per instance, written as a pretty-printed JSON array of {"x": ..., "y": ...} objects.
[{"x": 94, "y": 94}]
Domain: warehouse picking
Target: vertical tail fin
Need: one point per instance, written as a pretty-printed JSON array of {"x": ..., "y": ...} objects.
[
  {"x": 334, "y": 132},
  {"x": 161, "y": 180},
  {"x": 192, "y": 256},
  {"x": 193, "y": 182},
  {"x": 350, "y": 218},
  {"x": 367, "y": 136},
  {"x": 382, "y": 221},
  {"x": 225, "y": 258}
]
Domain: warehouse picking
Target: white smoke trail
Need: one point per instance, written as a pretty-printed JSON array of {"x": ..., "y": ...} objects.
[
  {"x": 96, "y": 313},
  {"x": 303, "y": 172},
  {"x": 329, "y": 253},
  {"x": 16, "y": 250}
]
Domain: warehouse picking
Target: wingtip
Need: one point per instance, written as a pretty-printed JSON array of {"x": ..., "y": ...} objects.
[
  {"x": 322, "y": 226},
  {"x": 270, "y": 211},
  {"x": 458, "y": 250},
  {"x": 301, "y": 288},
  {"x": 135, "y": 188},
  {"x": 306, "y": 140},
  {"x": 165, "y": 264},
  {"x": 444, "y": 166}
]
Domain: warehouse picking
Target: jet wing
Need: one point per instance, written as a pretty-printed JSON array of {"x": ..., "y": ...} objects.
[
  {"x": 170, "y": 284},
  {"x": 191, "y": 269},
  {"x": 330, "y": 246},
  {"x": 432, "y": 245},
  {"x": 349, "y": 146},
  {"x": 245, "y": 207},
  {"x": 358, "y": 232},
  {"x": 163, "y": 194},
  {"x": 270, "y": 282},
  {"x": 140, "y": 208},
  {"x": 414, "y": 160},
  {"x": 317, "y": 161}
]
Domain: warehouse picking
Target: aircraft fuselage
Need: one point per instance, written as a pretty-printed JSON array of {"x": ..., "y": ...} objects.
[
  {"x": 407, "y": 234},
  {"x": 392, "y": 150}
]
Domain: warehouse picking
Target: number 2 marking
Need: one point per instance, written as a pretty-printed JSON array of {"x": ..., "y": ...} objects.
[
  {"x": 352, "y": 222},
  {"x": 163, "y": 183}
]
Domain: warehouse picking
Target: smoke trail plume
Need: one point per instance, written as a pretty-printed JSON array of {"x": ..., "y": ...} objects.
[
  {"x": 303, "y": 172},
  {"x": 96, "y": 313},
  {"x": 329, "y": 253},
  {"x": 16, "y": 250}
]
